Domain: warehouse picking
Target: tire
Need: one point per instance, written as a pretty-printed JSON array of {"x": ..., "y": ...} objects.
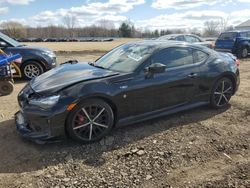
[
  {"x": 90, "y": 121},
  {"x": 6, "y": 87},
  {"x": 243, "y": 53},
  {"x": 31, "y": 69},
  {"x": 221, "y": 93}
]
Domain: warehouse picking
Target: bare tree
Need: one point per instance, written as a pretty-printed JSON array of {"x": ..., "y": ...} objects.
[
  {"x": 70, "y": 22},
  {"x": 14, "y": 29},
  {"x": 106, "y": 24},
  {"x": 223, "y": 24},
  {"x": 212, "y": 28}
]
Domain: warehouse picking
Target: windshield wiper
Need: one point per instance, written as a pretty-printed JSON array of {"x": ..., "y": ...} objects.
[{"x": 94, "y": 65}]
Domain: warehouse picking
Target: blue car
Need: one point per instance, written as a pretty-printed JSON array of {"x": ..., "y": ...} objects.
[{"x": 236, "y": 42}]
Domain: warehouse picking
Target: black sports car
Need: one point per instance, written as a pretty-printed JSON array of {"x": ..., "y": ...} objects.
[{"x": 133, "y": 82}]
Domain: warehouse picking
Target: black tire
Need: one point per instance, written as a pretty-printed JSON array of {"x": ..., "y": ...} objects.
[
  {"x": 221, "y": 95},
  {"x": 6, "y": 87},
  {"x": 242, "y": 53},
  {"x": 90, "y": 121},
  {"x": 31, "y": 69}
]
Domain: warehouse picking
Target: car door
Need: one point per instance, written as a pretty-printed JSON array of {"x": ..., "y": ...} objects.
[
  {"x": 136, "y": 94},
  {"x": 178, "y": 84}
]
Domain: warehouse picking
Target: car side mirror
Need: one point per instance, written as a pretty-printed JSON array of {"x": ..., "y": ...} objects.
[
  {"x": 3, "y": 44},
  {"x": 155, "y": 68}
]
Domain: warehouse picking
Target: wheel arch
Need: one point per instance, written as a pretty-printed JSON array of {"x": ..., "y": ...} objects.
[
  {"x": 34, "y": 60},
  {"x": 105, "y": 99},
  {"x": 230, "y": 76}
]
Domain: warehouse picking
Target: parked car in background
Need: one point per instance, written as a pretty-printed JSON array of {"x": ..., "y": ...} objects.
[
  {"x": 134, "y": 82},
  {"x": 35, "y": 60},
  {"x": 187, "y": 38},
  {"x": 236, "y": 42}
]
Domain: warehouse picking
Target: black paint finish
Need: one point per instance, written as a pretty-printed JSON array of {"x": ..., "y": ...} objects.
[{"x": 134, "y": 96}]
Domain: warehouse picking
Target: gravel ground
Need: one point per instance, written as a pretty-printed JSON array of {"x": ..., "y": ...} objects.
[{"x": 196, "y": 148}]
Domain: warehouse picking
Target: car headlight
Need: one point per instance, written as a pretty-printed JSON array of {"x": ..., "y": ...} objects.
[
  {"x": 45, "y": 102},
  {"x": 49, "y": 53}
]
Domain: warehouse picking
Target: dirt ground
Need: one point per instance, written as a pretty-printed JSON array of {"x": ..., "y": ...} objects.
[
  {"x": 83, "y": 46},
  {"x": 196, "y": 148}
]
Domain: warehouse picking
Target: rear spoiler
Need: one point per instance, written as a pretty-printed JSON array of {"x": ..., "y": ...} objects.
[{"x": 232, "y": 56}]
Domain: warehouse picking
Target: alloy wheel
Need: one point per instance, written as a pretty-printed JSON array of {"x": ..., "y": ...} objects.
[
  {"x": 91, "y": 122},
  {"x": 31, "y": 71},
  {"x": 223, "y": 92}
]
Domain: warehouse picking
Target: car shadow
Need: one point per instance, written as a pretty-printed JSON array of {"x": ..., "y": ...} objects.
[{"x": 20, "y": 155}]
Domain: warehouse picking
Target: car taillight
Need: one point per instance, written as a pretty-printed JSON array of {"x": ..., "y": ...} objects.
[{"x": 237, "y": 62}]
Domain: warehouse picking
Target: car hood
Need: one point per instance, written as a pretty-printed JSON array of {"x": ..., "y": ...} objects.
[
  {"x": 66, "y": 75},
  {"x": 38, "y": 48}
]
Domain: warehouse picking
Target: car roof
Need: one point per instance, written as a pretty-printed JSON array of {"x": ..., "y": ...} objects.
[
  {"x": 175, "y": 35},
  {"x": 161, "y": 44}
]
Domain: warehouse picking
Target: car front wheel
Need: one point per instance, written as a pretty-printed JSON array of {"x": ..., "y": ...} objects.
[
  {"x": 31, "y": 70},
  {"x": 222, "y": 93},
  {"x": 90, "y": 121}
]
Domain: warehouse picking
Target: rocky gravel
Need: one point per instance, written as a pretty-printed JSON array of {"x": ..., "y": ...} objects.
[{"x": 196, "y": 148}]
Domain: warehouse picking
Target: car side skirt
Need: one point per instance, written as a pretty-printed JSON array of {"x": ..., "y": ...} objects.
[{"x": 159, "y": 113}]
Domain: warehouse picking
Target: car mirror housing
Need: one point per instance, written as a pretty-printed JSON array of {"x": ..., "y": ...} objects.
[{"x": 156, "y": 68}]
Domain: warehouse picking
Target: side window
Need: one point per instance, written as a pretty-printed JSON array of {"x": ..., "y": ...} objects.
[
  {"x": 199, "y": 56},
  {"x": 174, "y": 57},
  {"x": 191, "y": 39},
  {"x": 180, "y": 38},
  {"x": 243, "y": 35},
  {"x": 248, "y": 34}
]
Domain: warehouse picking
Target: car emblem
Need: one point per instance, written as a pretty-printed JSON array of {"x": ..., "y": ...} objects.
[{"x": 123, "y": 87}]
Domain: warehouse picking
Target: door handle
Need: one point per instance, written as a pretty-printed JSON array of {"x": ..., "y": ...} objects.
[{"x": 192, "y": 75}]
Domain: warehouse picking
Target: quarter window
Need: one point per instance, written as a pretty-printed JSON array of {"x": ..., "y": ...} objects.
[
  {"x": 191, "y": 39},
  {"x": 199, "y": 56},
  {"x": 174, "y": 57}
]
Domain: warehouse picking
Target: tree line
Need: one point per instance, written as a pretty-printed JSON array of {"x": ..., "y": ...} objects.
[{"x": 104, "y": 28}]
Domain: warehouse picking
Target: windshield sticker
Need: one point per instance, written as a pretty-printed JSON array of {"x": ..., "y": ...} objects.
[{"x": 134, "y": 57}]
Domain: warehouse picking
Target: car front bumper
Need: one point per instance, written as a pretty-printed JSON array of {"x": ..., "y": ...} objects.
[
  {"x": 51, "y": 62},
  {"x": 38, "y": 129}
]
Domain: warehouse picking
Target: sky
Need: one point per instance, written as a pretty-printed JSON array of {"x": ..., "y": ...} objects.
[{"x": 145, "y": 14}]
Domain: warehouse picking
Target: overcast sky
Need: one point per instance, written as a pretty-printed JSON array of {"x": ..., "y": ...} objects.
[{"x": 152, "y": 14}]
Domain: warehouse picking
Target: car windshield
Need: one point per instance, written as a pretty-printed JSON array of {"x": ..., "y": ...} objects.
[
  {"x": 228, "y": 36},
  {"x": 9, "y": 40},
  {"x": 125, "y": 58}
]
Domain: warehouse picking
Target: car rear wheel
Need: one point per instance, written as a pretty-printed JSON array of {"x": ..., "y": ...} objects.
[
  {"x": 222, "y": 93},
  {"x": 31, "y": 70},
  {"x": 243, "y": 53},
  {"x": 90, "y": 121}
]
